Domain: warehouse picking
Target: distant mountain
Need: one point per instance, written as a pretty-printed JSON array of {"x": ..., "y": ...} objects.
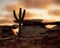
[
  {"x": 38, "y": 21},
  {"x": 30, "y": 20}
]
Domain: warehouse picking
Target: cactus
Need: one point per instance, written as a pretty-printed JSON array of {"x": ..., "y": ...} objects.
[{"x": 20, "y": 20}]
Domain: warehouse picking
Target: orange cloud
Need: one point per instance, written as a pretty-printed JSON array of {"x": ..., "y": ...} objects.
[
  {"x": 28, "y": 15},
  {"x": 56, "y": 2},
  {"x": 13, "y": 6},
  {"x": 36, "y": 3},
  {"x": 31, "y": 4},
  {"x": 5, "y": 21},
  {"x": 55, "y": 12}
]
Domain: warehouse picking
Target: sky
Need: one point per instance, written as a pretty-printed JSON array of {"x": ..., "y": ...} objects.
[{"x": 47, "y": 10}]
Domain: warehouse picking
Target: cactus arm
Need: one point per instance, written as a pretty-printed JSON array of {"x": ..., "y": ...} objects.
[
  {"x": 15, "y": 16},
  {"x": 20, "y": 13},
  {"x": 23, "y": 15}
]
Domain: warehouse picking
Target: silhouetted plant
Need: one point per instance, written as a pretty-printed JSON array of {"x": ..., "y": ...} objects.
[{"x": 20, "y": 20}]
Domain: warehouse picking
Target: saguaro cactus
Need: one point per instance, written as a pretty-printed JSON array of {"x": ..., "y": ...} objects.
[{"x": 20, "y": 20}]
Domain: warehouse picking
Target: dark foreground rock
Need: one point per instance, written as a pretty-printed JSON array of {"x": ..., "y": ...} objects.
[{"x": 47, "y": 40}]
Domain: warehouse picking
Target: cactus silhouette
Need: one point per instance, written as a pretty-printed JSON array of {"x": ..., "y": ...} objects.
[{"x": 20, "y": 20}]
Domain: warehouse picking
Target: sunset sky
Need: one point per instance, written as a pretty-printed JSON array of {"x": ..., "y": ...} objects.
[{"x": 48, "y": 10}]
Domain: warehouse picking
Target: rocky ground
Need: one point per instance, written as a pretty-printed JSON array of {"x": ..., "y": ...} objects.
[{"x": 50, "y": 39}]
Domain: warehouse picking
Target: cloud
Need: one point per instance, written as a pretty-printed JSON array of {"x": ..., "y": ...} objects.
[
  {"x": 13, "y": 6},
  {"x": 29, "y": 15},
  {"x": 0, "y": 15},
  {"x": 56, "y": 2},
  {"x": 36, "y": 3},
  {"x": 31, "y": 4},
  {"x": 5, "y": 20},
  {"x": 55, "y": 12}
]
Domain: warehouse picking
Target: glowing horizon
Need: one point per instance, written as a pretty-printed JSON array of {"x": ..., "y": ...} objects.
[{"x": 47, "y": 10}]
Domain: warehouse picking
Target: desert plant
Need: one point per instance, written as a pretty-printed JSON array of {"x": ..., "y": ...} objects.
[{"x": 20, "y": 20}]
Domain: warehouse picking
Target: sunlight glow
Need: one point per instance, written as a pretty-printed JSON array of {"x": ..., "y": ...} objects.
[
  {"x": 39, "y": 13},
  {"x": 50, "y": 26},
  {"x": 15, "y": 31},
  {"x": 44, "y": 13},
  {"x": 53, "y": 7}
]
